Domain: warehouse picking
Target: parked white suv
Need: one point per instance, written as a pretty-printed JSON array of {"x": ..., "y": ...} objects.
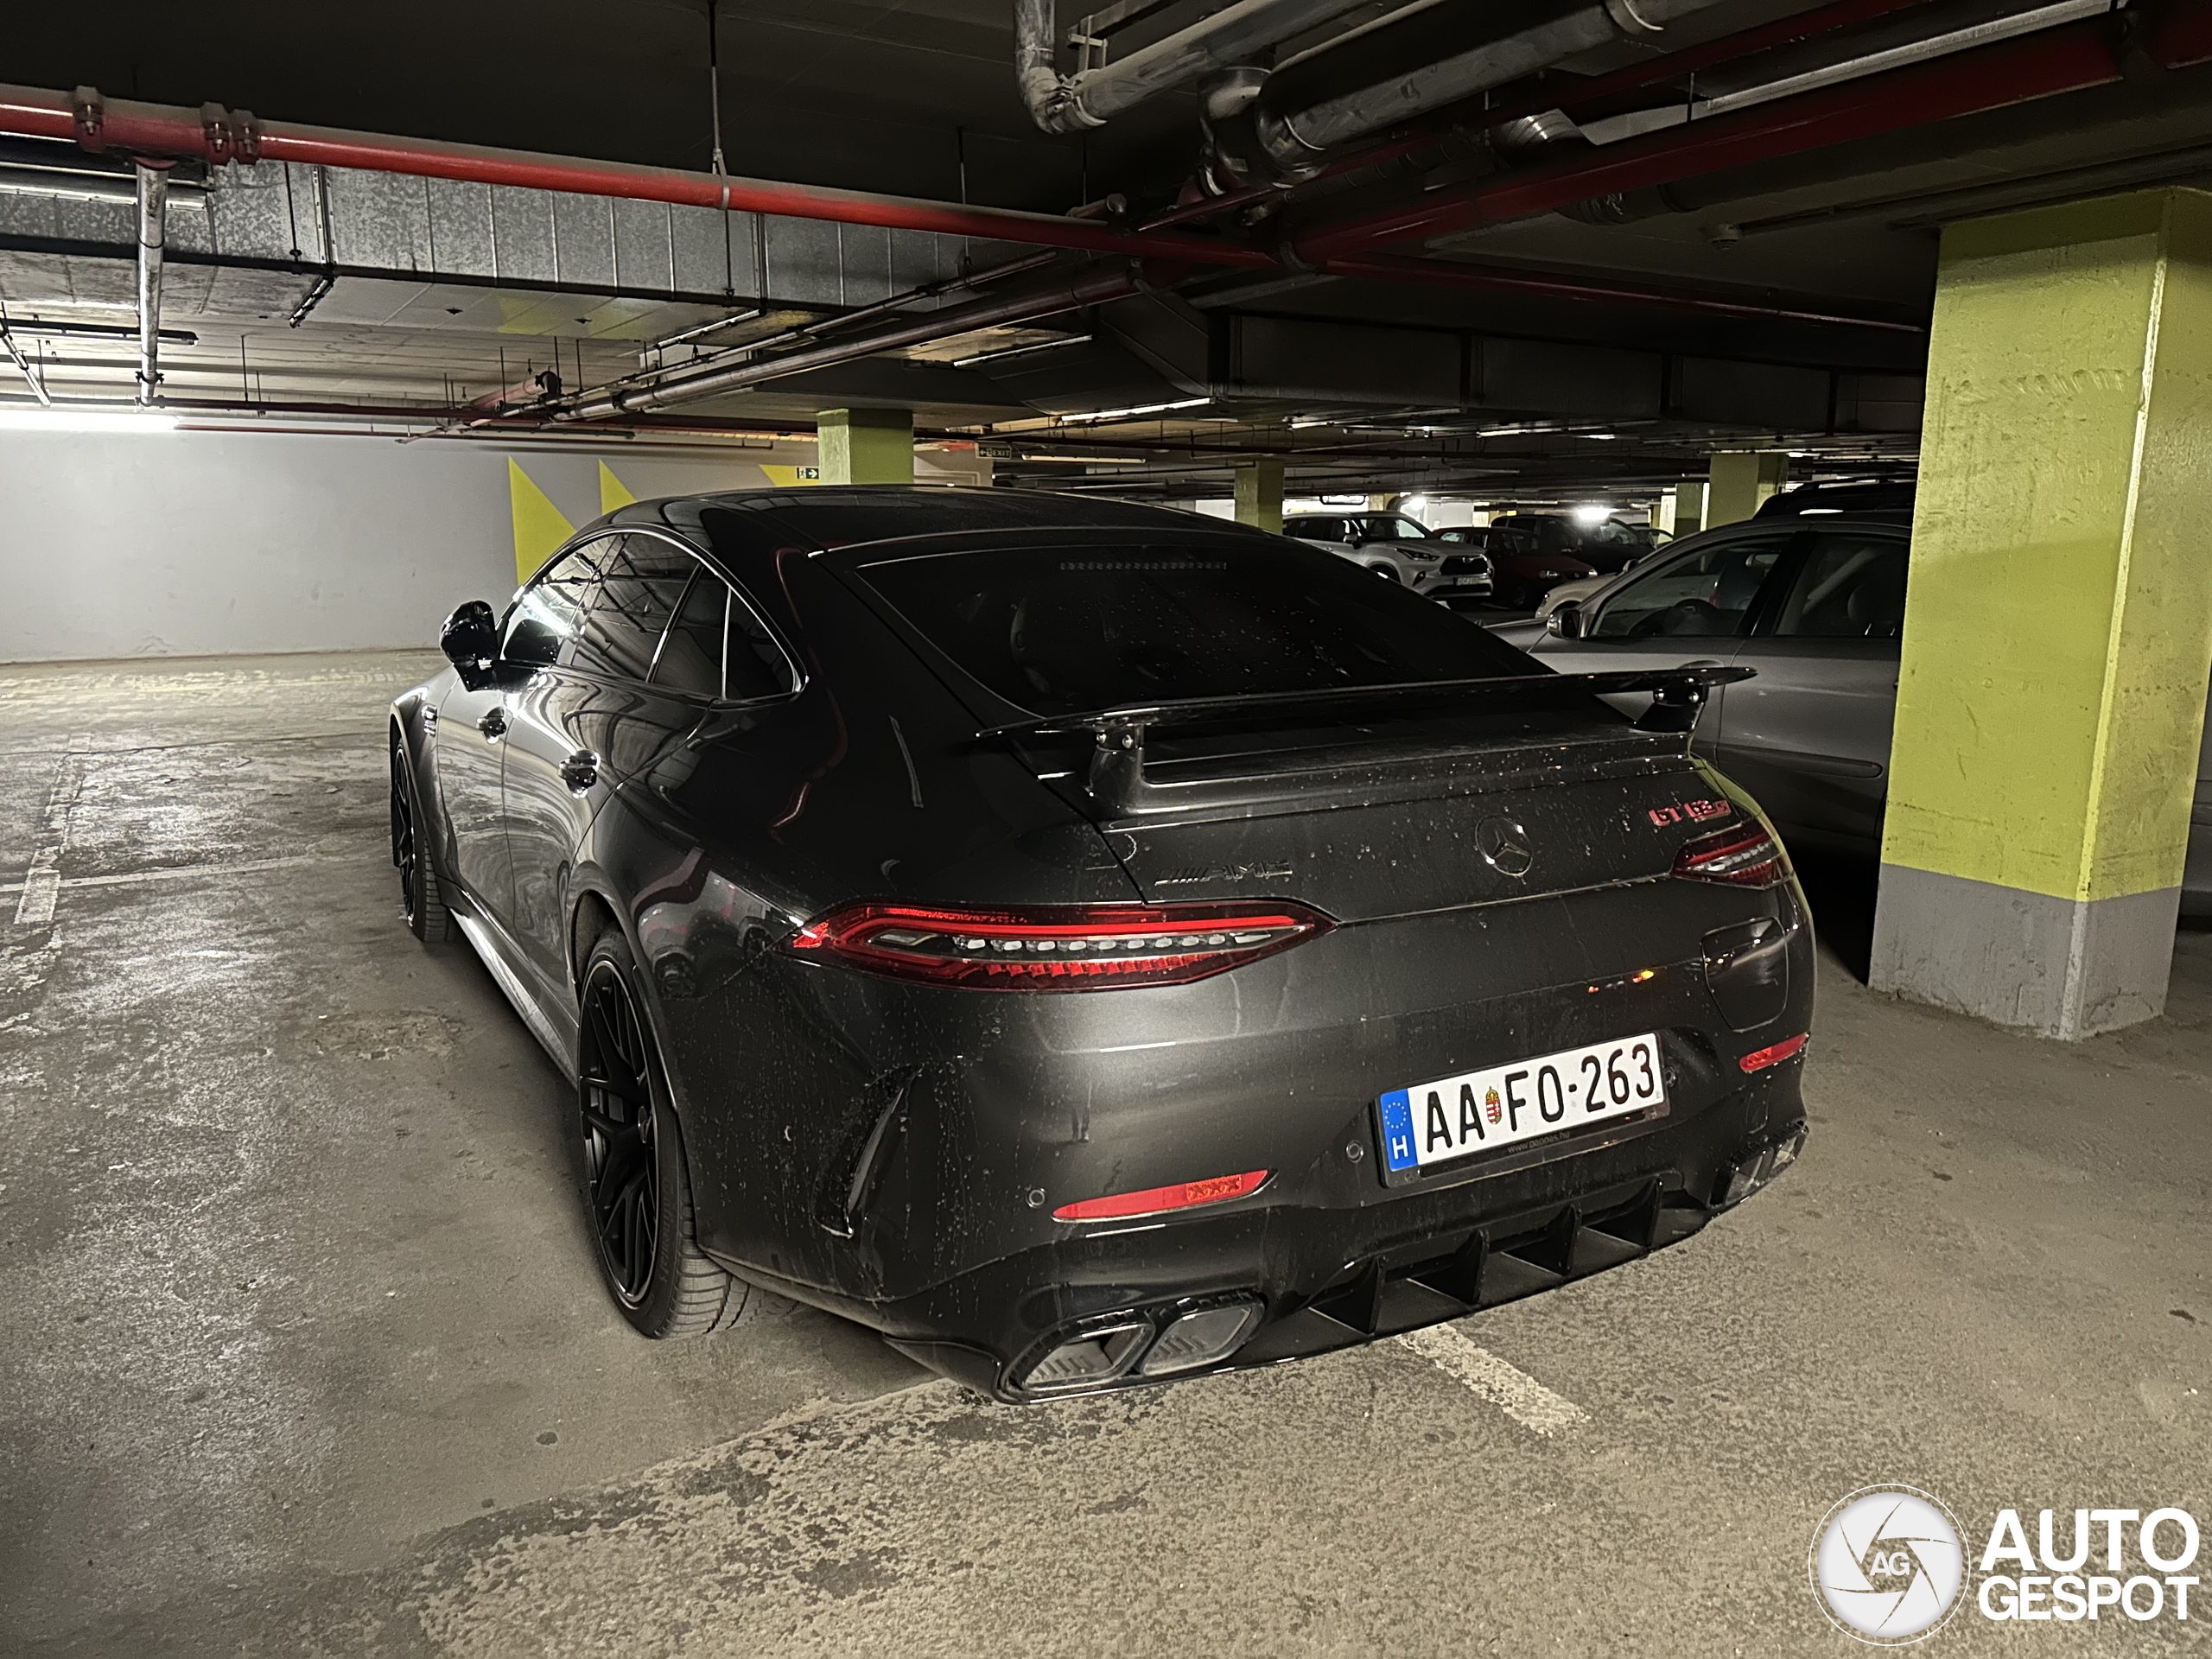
[{"x": 1398, "y": 549}]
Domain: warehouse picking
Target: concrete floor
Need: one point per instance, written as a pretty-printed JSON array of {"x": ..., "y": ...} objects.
[{"x": 303, "y": 1353}]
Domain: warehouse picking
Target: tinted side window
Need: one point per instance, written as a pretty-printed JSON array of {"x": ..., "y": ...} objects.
[
  {"x": 753, "y": 664},
  {"x": 691, "y": 657},
  {"x": 1703, "y": 593},
  {"x": 1849, "y": 588},
  {"x": 641, "y": 579},
  {"x": 1386, "y": 527},
  {"x": 543, "y": 624}
]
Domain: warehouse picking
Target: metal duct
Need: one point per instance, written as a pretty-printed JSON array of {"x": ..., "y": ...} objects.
[
  {"x": 1231, "y": 38},
  {"x": 1295, "y": 133},
  {"x": 153, "y": 228},
  {"x": 216, "y": 136}
]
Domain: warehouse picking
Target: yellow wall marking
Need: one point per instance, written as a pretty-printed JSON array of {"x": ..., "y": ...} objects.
[
  {"x": 539, "y": 526},
  {"x": 612, "y": 491}
]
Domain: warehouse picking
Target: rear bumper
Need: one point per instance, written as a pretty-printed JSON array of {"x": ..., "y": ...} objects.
[{"x": 1325, "y": 1278}]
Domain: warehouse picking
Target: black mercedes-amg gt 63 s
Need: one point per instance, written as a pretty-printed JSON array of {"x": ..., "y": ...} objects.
[{"x": 1091, "y": 945}]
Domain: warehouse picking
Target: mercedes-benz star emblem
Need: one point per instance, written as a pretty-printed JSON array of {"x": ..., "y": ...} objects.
[{"x": 1504, "y": 846}]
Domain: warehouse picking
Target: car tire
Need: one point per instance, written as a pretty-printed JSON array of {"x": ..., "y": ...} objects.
[
  {"x": 636, "y": 1180},
  {"x": 421, "y": 899}
]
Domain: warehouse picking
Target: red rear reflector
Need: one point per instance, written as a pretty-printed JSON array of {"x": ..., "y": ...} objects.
[
  {"x": 1759, "y": 1058},
  {"x": 1744, "y": 856},
  {"x": 1058, "y": 948},
  {"x": 1154, "y": 1200}
]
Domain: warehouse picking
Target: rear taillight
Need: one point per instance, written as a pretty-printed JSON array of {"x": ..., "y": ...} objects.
[
  {"x": 1744, "y": 855},
  {"x": 1085, "y": 947},
  {"x": 1774, "y": 1053},
  {"x": 1157, "y": 1200}
]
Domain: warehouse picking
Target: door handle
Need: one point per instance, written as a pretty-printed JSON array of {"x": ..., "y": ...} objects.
[
  {"x": 493, "y": 725},
  {"x": 580, "y": 771}
]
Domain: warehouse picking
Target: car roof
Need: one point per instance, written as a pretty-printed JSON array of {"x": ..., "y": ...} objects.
[{"x": 842, "y": 515}]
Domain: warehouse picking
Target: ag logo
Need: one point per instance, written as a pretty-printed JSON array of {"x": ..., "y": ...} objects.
[
  {"x": 1504, "y": 846},
  {"x": 1887, "y": 1565}
]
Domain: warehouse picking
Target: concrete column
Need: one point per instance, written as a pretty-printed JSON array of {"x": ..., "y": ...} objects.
[
  {"x": 2058, "y": 630},
  {"x": 866, "y": 446},
  {"x": 1690, "y": 506},
  {"x": 1740, "y": 481},
  {"x": 1259, "y": 492}
]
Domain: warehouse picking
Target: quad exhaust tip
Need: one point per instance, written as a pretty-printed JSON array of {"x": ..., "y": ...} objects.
[{"x": 1165, "y": 1342}]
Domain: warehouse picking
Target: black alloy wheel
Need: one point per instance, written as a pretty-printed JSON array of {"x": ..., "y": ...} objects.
[
  {"x": 621, "y": 1165},
  {"x": 421, "y": 904},
  {"x": 637, "y": 1187}
]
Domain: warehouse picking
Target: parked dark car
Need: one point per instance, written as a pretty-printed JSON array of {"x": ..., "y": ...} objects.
[
  {"x": 1816, "y": 608},
  {"x": 1605, "y": 544},
  {"x": 1521, "y": 572},
  {"x": 1089, "y": 947},
  {"x": 1889, "y": 500}
]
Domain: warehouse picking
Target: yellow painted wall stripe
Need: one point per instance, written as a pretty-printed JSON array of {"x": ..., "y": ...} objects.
[
  {"x": 539, "y": 526},
  {"x": 612, "y": 491}
]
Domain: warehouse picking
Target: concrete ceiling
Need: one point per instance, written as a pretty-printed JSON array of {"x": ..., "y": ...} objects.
[{"x": 919, "y": 99}]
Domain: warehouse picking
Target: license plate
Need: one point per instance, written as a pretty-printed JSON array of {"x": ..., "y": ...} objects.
[{"x": 1481, "y": 1111}]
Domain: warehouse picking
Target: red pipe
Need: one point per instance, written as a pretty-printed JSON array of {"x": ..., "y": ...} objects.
[
  {"x": 1445, "y": 273},
  {"x": 2065, "y": 60},
  {"x": 212, "y": 133}
]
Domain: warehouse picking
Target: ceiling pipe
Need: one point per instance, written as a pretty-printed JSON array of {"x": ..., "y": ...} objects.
[
  {"x": 1581, "y": 97},
  {"x": 2056, "y": 61},
  {"x": 1093, "y": 285},
  {"x": 152, "y": 235},
  {"x": 31, "y": 375},
  {"x": 1295, "y": 135},
  {"x": 1231, "y": 37},
  {"x": 1444, "y": 273},
  {"x": 218, "y": 135}
]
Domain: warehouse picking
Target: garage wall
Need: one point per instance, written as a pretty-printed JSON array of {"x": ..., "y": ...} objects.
[{"x": 190, "y": 543}]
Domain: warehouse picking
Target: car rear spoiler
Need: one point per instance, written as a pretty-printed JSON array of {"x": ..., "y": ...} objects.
[{"x": 1116, "y": 778}]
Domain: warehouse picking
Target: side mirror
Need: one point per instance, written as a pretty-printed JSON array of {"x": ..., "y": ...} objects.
[
  {"x": 470, "y": 638},
  {"x": 1567, "y": 620}
]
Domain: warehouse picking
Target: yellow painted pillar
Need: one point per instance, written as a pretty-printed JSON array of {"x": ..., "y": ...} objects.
[
  {"x": 866, "y": 446},
  {"x": 1740, "y": 481},
  {"x": 1259, "y": 492},
  {"x": 1689, "y": 507},
  {"x": 2058, "y": 625}
]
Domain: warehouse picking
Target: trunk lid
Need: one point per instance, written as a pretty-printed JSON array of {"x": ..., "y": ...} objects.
[{"x": 1404, "y": 817}]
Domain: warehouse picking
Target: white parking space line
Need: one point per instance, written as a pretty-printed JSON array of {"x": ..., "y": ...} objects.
[
  {"x": 1523, "y": 1399},
  {"x": 42, "y": 882},
  {"x": 159, "y": 872}
]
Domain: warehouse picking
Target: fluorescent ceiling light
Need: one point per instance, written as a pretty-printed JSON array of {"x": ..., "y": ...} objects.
[
  {"x": 1019, "y": 351},
  {"x": 62, "y": 418},
  {"x": 1592, "y": 514},
  {"x": 1141, "y": 409},
  {"x": 1089, "y": 460}
]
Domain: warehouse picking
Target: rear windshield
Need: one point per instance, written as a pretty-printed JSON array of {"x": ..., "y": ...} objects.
[{"x": 1060, "y": 631}]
